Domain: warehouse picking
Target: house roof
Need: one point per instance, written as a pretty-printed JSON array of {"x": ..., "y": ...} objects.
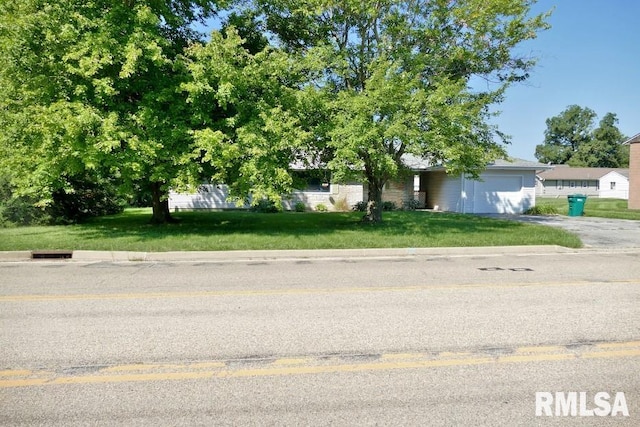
[
  {"x": 416, "y": 163},
  {"x": 633, "y": 140},
  {"x": 569, "y": 173}
]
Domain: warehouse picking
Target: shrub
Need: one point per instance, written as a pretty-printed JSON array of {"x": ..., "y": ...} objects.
[
  {"x": 321, "y": 207},
  {"x": 20, "y": 211},
  {"x": 300, "y": 207},
  {"x": 411, "y": 205},
  {"x": 341, "y": 204},
  {"x": 88, "y": 199},
  {"x": 360, "y": 206},
  {"x": 389, "y": 206},
  {"x": 386, "y": 206},
  {"x": 542, "y": 209},
  {"x": 265, "y": 206}
]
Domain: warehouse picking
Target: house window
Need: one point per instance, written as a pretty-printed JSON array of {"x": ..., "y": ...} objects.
[
  {"x": 312, "y": 181},
  {"x": 559, "y": 184},
  {"x": 572, "y": 184},
  {"x": 613, "y": 185},
  {"x": 585, "y": 184}
]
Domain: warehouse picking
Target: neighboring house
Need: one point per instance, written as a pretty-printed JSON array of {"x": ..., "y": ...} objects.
[
  {"x": 634, "y": 171},
  {"x": 564, "y": 180},
  {"x": 504, "y": 187}
]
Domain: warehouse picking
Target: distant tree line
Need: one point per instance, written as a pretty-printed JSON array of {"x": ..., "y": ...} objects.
[{"x": 572, "y": 138}]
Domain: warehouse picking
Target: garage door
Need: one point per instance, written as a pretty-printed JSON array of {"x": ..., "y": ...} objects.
[{"x": 498, "y": 194}]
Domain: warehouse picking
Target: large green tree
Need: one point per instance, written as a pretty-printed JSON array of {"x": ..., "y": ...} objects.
[
  {"x": 605, "y": 148},
  {"x": 93, "y": 88},
  {"x": 570, "y": 138},
  {"x": 250, "y": 118},
  {"x": 410, "y": 76}
]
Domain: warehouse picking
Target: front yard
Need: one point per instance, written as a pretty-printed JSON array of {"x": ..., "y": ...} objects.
[
  {"x": 236, "y": 230},
  {"x": 595, "y": 207}
]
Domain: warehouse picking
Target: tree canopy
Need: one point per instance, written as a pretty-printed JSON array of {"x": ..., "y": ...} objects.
[
  {"x": 397, "y": 78},
  {"x": 93, "y": 88},
  {"x": 570, "y": 138},
  {"x": 125, "y": 91}
]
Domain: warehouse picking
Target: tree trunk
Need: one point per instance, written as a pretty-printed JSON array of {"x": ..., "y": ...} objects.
[
  {"x": 160, "y": 204},
  {"x": 374, "y": 202}
]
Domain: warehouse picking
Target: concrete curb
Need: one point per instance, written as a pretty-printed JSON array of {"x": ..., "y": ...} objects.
[
  {"x": 267, "y": 255},
  {"x": 14, "y": 256}
]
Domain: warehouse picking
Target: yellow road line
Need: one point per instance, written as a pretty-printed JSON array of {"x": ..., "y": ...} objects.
[
  {"x": 294, "y": 291},
  {"x": 536, "y": 358},
  {"x": 611, "y": 354},
  {"x": 16, "y": 373},
  {"x": 311, "y": 365}
]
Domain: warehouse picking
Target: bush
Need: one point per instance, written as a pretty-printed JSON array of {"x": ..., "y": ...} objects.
[
  {"x": 300, "y": 207},
  {"x": 89, "y": 196},
  {"x": 85, "y": 202},
  {"x": 386, "y": 206},
  {"x": 265, "y": 206},
  {"x": 542, "y": 209},
  {"x": 360, "y": 206},
  {"x": 321, "y": 207},
  {"x": 389, "y": 206},
  {"x": 411, "y": 205},
  {"x": 341, "y": 204},
  {"x": 19, "y": 211}
]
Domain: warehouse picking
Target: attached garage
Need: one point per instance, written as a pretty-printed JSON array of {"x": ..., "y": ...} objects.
[
  {"x": 498, "y": 194},
  {"x": 506, "y": 187}
]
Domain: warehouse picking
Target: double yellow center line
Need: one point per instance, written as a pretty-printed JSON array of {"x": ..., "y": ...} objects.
[{"x": 221, "y": 369}]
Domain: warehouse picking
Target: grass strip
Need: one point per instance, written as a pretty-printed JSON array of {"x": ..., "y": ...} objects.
[{"x": 240, "y": 230}]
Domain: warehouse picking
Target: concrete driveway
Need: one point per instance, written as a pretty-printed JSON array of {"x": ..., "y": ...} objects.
[{"x": 594, "y": 232}]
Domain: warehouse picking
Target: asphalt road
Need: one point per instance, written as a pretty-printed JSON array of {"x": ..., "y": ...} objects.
[
  {"x": 601, "y": 233},
  {"x": 403, "y": 340}
]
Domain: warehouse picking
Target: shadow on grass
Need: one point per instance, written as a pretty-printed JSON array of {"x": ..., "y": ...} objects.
[
  {"x": 241, "y": 230},
  {"x": 136, "y": 223}
]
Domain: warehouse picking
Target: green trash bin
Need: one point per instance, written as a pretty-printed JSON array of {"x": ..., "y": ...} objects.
[{"x": 576, "y": 204}]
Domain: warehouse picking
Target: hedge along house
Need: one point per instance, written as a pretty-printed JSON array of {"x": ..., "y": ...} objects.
[
  {"x": 634, "y": 171},
  {"x": 506, "y": 186}
]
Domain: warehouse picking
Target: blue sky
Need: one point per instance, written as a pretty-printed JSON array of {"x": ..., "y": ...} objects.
[{"x": 590, "y": 57}]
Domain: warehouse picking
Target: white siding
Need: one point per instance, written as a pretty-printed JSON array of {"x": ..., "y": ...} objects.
[
  {"x": 215, "y": 197},
  {"x": 207, "y": 197},
  {"x": 352, "y": 193},
  {"x": 565, "y": 187},
  {"x": 620, "y": 184}
]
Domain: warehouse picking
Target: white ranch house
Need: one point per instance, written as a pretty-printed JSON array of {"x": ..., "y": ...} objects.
[
  {"x": 504, "y": 187},
  {"x": 564, "y": 180}
]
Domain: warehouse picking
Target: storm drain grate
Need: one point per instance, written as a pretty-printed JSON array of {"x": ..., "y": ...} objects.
[{"x": 58, "y": 254}]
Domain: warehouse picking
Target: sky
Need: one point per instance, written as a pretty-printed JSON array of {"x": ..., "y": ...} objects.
[{"x": 590, "y": 57}]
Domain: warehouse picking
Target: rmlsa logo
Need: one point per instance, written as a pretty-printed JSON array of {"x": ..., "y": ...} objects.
[{"x": 573, "y": 403}]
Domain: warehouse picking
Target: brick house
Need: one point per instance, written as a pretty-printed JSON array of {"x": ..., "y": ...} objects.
[{"x": 634, "y": 171}]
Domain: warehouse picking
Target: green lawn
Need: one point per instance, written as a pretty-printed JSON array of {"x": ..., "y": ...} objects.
[
  {"x": 594, "y": 207},
  {"x": 237, "y": 230}
]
